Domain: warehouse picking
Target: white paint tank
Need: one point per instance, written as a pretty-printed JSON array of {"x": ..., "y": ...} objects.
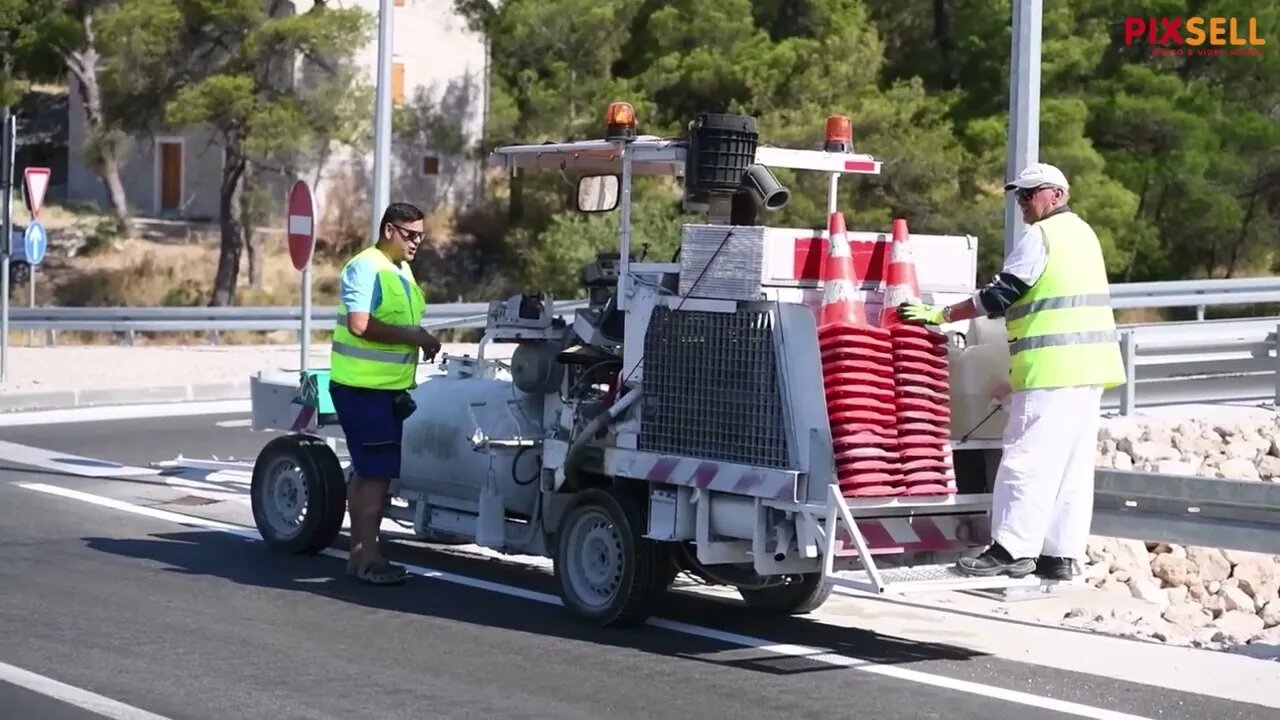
[{"x": 439, "y": 454}]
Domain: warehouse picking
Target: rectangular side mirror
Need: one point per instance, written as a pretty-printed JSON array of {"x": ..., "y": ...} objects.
[{"x": 597, "y": 193}]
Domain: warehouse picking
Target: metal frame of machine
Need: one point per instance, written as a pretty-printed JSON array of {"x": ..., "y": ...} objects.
[{"x": 607, "y": 498}]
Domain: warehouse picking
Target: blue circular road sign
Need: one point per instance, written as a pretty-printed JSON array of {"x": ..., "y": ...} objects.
[{"x": 36, "y": 241}]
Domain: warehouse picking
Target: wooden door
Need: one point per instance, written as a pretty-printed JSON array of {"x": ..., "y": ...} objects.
[{"x": 170, "y": 175}]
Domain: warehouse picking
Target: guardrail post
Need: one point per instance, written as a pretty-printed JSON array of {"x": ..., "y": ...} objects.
[
  {"x": 1199, "y": 312},
  {"x": 128, "y": 337},
  {"x": 1129, "y": 351},
  {"x": 51, "y": 337},
  {"x": 1277, "y": 345}
]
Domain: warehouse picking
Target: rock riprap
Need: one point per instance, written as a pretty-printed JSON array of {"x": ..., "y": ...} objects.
[
  {"x": 1235, "y": 451},
  {"x": 1187, "y": 595}
]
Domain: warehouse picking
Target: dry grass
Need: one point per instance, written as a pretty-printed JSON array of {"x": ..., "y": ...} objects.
[
  {"x": 163, "y": 272},
  {"x": 149, "y": 273},
  {"x": 177, "y": 270}
]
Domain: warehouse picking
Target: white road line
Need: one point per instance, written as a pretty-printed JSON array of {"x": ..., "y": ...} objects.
[
  {"x": 122, "y": 412},
  {"x": 93, "y": 702},
  {"x": 81, "y": 466},
  {"x": 816, "y": 654}
]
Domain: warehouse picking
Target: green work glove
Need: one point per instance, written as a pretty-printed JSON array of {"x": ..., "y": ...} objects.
[{"x": 921, "y": 314}]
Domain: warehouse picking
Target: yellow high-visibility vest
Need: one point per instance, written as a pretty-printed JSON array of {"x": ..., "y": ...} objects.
[
  {"x": 1063, "y": 332},
  {"x": 357, "y": 362}
]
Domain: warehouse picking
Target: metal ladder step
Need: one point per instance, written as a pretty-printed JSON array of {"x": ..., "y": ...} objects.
[
  {"x": 924, "y": 578},
  {"x": 891, "y": 580}
]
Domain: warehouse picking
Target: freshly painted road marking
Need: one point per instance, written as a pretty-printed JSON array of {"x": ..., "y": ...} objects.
[
  {"x": 93, "y": 702},
  {"x": 123, "y": 412},
  {"x": 216, "y": 485},
  {"x": 816, "y": 654},
  {"x": 241, "y": 423}
]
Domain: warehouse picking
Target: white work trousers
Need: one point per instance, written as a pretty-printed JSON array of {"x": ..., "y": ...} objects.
[{"x": 1043, "y": 499}]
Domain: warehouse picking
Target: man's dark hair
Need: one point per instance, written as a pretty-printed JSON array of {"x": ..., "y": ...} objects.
[{"x": 397, "y": 214}]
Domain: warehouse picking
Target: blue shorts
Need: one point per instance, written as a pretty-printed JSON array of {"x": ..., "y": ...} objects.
[{"x": 368, "y": 419}]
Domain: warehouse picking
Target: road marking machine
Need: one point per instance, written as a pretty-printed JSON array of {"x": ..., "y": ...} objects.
[{"x": 751, "y": 412}]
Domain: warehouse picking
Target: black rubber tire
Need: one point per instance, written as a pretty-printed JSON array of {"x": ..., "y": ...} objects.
[
  {"x": 326, "y": 494},
  {"x": 632, "y": 602},
  {"x": 335, "y": 494},
  {"x": 794, "y": 598}
]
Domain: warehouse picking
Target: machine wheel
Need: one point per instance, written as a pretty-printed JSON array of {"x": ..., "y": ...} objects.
[
  {"x": 604, "y": 565},
  {"x": 799, "y": 595},
  {"x": 298, "y": 494}
]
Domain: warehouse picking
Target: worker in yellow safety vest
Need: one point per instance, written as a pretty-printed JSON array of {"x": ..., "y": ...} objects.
[
  {"x": 373, "y": 365},
  {"x": 1064, "y": 353}
]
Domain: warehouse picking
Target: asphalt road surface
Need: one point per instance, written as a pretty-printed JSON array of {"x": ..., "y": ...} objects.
[{"x": 105, "y": 598}]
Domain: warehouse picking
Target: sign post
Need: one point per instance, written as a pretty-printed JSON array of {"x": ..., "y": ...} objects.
[
  {"x": 35, "y": 182},
  {"x": 301, "y": 230},
  {"x": 35, "y": 243},
  {"x": 8, "y": 146}
]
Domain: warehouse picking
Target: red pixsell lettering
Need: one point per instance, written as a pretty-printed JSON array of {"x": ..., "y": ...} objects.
[
  {"x": 1134, "y": 28},
  {"x": 1171, "y": 31}
]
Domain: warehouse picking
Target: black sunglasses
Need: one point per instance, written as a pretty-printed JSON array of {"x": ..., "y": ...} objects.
[
  {"x": 1026, "y": 194},
  {"x": 409, "y": 234}
]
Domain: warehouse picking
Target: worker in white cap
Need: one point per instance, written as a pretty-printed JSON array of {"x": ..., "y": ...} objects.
[{"x": 1064, "y": 352}]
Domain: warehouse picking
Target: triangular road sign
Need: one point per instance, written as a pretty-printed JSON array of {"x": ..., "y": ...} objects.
[{"x": 36, "y": 181}]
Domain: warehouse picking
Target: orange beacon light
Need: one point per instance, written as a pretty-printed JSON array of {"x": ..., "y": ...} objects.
[
  {"x": 839, "y": 134},
  {"x": 620, "y": 121}
]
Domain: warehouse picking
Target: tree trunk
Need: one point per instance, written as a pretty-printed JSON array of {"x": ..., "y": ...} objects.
[
  {"x": 224, "y": 282},
  {"x": 84, "y": 66},
  {"x": 250, "y": 217},
  {"x": 944, "y": 38},
  {"x": 1237, "y": 247}
]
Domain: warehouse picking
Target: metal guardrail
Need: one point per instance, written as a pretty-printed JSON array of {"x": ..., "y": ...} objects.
[
  {"x": 1210, "y": 361},
  {"x": 1168, "y": 363},
  {"x": 213, "y": 320},
  {"x": 1196, "y": 293},
  {"x": 1187, "y": 510},
  {"x": 1181, "y": 293}
]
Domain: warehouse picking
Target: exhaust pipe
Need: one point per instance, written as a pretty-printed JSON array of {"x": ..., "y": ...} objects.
[{"x": 768, "y": 193}]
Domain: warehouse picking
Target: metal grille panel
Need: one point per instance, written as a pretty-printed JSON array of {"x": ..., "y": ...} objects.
[
  {"x": 722, "y": 261},
  {"x": 711, "y": 387}
]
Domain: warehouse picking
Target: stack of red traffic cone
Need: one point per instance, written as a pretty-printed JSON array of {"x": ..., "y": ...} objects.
[
  {"x": 922, "y": 384},
  {"x": 857, "y": 373}
]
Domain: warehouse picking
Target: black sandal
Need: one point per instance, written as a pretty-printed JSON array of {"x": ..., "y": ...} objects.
[{"x": 381, "y": 573}]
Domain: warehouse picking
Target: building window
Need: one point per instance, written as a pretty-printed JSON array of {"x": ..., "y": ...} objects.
[
  {"x": 397, "y": 83},
  {"x": 430, "y": 165}
]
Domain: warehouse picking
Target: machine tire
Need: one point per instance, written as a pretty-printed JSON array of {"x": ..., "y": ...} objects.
[
  {"x": 314, "y": 469},
  {"x": 630, "y": 602},
  {"x": 794, "y": 598}
]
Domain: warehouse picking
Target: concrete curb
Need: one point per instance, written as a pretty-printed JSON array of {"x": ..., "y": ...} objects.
[{"x": 63, "y": 399}]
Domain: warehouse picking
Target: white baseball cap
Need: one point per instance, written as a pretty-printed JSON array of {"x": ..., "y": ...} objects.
[{"x": 1037, "y": 175}]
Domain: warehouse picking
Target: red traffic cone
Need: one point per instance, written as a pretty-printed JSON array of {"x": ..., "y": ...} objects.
[
  {"x": 841, "y": 307},
  {"x": 900, "y": 280}
]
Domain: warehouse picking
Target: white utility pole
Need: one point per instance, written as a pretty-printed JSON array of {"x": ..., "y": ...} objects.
[
  {"x": 382, "y": 121},
  {"x": 1024, "y": 107}
]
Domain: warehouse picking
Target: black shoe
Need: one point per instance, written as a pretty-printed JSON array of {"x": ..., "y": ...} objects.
[
  {"x": 995, "y": 560},
  {"x": 1054, "y": 568}
]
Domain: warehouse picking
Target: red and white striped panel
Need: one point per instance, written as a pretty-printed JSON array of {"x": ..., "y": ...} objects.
[
  {"x": 923, "y": 533},
  {"x": 817, "y": 160},
  {"x": 796, "y": 255},
  {"x": 306, "y": 421},
  {"x": 793, "y": 259},
  {"x": 705, "y": 474}
]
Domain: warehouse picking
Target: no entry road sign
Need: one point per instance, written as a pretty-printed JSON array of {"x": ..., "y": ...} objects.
[{"x": 302, "y": 224}]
